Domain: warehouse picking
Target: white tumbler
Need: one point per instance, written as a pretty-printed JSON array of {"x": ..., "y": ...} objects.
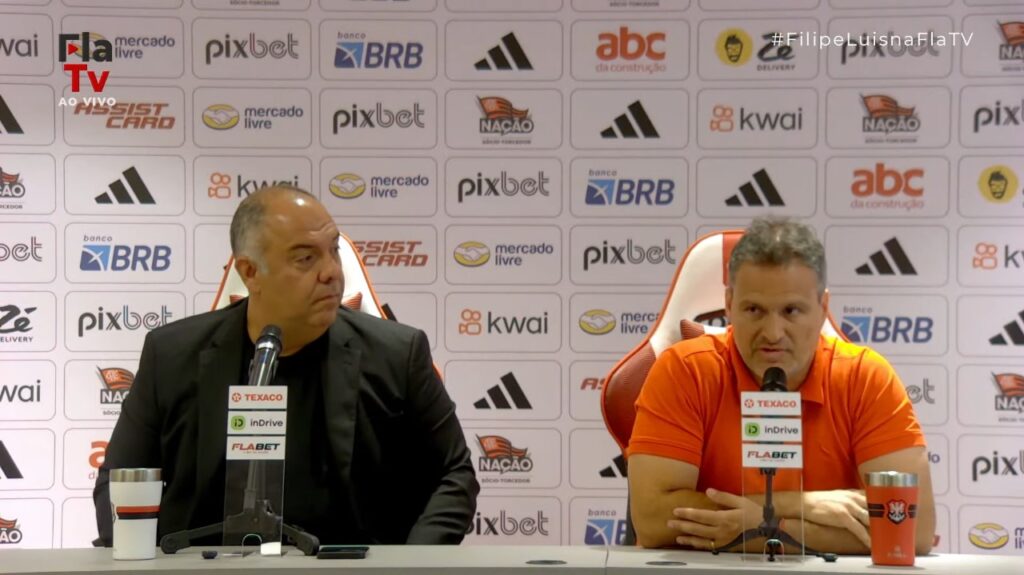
[{"x": 134, "y": 505}]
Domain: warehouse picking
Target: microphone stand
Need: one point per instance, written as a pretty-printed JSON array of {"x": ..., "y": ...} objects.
[
  {"x": 769, "y": 527},
  {"x": 774, "y": 380},
  {"x": 257, "y": 514}
]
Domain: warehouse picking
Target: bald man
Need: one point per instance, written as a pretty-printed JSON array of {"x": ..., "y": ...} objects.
[{"x": 375, "y": 454}]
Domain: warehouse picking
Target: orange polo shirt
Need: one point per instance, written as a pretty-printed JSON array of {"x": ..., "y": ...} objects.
[{"x": 854, "y": 409}]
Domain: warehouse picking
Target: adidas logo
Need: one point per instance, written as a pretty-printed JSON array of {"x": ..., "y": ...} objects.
[
  {"x": 8, "y": 468},
  {"x": 1014, "y": 330},
  {"x": 498, "y": 56},
  {"x": 623, "y": 126},
  {"x": 500, "y": 399},
  {"x": 8, "y": 123},
  {"x": 879, "y": 264},
  {"x": 748, "y": 193},
  {"x": 122, "y": 195},
  {"x": 616, "y": 469}
]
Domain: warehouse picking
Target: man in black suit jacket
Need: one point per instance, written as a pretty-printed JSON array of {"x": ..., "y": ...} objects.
[{"x": 375, "y": 453}]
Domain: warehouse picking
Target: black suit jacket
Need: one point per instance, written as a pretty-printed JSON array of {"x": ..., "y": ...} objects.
[{"x": 405, "y": 472}]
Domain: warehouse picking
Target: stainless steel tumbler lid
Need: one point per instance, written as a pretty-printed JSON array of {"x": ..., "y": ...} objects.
[
  {"x": 136, "y": 475},
  {"x": 890, "y": 479}
]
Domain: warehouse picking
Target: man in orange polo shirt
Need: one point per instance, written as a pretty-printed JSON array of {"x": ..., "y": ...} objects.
[{"x": 685, "y": 473}]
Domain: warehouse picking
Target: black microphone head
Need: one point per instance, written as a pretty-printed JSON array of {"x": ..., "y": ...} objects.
[
  {"x": 774, "y": 379},
  {"x": 270, "y": 335}
]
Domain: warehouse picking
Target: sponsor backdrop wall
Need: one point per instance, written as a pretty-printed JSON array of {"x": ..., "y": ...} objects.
[{"x": 519, "y": 176}]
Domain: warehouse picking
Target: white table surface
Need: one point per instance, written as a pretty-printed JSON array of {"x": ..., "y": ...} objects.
[
  {"x": 497, "y": 560},
  {"x": 423, "y": 560},
  {"x": 629, "y": 560}
]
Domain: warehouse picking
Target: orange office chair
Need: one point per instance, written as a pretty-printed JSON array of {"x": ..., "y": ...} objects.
[
  {"x": 358, "y": 296},
  {"x": 695, "y": 303}
]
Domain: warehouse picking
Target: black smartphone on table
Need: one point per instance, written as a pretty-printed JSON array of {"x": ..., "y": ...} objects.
[{"x": 342, "y": 552}]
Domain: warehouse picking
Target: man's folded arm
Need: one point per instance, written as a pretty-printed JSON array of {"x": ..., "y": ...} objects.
[
  {"x": 135, "y": 441},
  {"x": 450, "y": 509},
  {"x": 658, "y": 485}
]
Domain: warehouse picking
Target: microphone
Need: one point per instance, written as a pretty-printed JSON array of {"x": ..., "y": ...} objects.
[
  {"x": 264, "y": 362},
  {"x": 774, "y": 380}
]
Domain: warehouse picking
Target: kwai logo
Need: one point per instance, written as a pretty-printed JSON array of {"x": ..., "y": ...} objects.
[
  {"x": 476, "y": 322},
  {"x": 724, "y": 119},
  {"x": 225, "y": 186}
]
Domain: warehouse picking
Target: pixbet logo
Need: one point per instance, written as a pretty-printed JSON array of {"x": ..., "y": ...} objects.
[
  {"x": 505, "y": 524},
  {"x": 252, "y": 47},
  {"x": 378, "y": 117},
  {"x": 629, "y": 253},
  {"x": 21, "y": 252},
  {"x": 502, "y": 185},
  {"x": 89, "y": 49},
  {"x": 123, "y": 319},
  {"x": 997, "y": 465},
  {"x": 998, "y": 115}
]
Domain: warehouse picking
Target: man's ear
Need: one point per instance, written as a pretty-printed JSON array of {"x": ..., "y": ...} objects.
[
  {"x": 249, "y": 272},
  {"x": 824, "y": 302},
  {"x": 728, "y": 303}
]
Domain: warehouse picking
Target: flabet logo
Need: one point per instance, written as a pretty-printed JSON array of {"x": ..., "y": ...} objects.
[
  {"x": 251, "y": 47},
  {"x": 988, "y": 536},
  {"x": 10, "y": 533},
  {"x": 734, "y": 47},
  {"x": 89, "y": 47},
  {"x": 884, "y": 115},
  {"x": 998, "y": 184},
  {"x": 391, "y": 253},
  {"x": 500, "y": 456},
  {"x": 472, "y": 254},
  {"x": 116, "y": 382},
  {"x": 225, "y": 186},
  {"x": 1010, "y": 396},
  {"x": 597, "y": 321},
  {"x": 473, "y": 322},
  {"x": 123, "y": 319},
  {"x": 503, "y": 185}
]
